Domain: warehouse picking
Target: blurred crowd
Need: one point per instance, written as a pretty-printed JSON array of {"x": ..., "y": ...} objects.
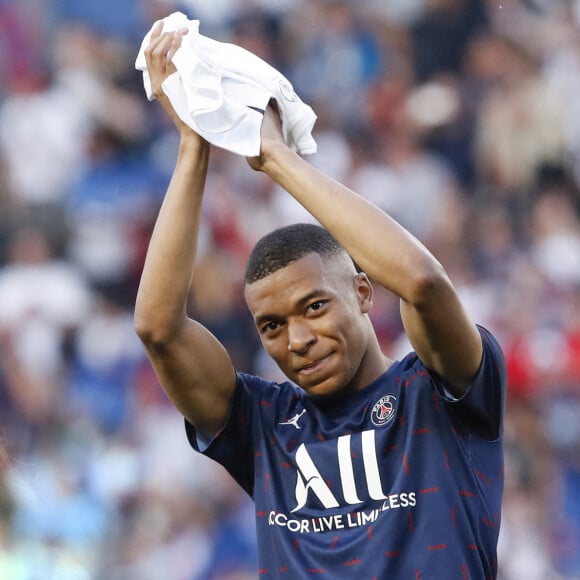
[{"x": 461, "y": 118}]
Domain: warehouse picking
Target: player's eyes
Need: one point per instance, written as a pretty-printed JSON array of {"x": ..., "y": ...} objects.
[
  {"x": 316, "y": 305},
  {"x": 270, "y": 326}
]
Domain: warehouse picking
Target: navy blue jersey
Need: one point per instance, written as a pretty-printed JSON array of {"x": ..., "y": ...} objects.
[{"x": 395, "y": 481}]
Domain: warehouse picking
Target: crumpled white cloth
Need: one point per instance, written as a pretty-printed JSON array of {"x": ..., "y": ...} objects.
[{"x": 221, "y": 91}]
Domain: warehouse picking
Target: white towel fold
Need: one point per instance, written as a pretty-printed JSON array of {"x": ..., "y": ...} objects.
[{"x": 221, "y": 90}]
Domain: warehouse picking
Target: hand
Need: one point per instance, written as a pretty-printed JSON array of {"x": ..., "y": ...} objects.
[
  {"x": 158, "y": 55},
  {"x": 271, "y": 135}
]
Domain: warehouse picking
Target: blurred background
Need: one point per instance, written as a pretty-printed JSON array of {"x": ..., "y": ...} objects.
[{"x": 459, "y": 117}]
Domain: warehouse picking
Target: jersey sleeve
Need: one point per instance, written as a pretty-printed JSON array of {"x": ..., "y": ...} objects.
[
  {"x": 480, "y": 410},
  {"x": 233, "y": 445}
]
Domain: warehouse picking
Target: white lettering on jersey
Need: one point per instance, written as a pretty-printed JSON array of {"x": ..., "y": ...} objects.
[
  {"x": 309, "y": 477},
  {"x": 347, "y": 470},
  {"x": 337, "y": 522},
  {"x": 371, "y": 465}
]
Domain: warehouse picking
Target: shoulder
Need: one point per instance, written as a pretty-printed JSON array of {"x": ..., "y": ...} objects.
[
  {"x": 492, "y": 355},
  {"x": 267, "y": 391},
  {"x": 491, "y": 344},
  {"x": 408, "y": 369}
]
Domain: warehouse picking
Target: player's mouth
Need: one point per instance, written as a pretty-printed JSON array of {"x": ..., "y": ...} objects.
[{"x": 313, "y": 367}]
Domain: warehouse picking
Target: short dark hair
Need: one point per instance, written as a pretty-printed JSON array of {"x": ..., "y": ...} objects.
[{"x": 288, "y": 244}]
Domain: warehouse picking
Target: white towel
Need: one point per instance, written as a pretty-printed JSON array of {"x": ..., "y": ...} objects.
[{"x": 221, "y": 91}]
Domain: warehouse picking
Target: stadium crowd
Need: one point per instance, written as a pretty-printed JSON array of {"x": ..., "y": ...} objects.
[{"x": 459, "y": 117}]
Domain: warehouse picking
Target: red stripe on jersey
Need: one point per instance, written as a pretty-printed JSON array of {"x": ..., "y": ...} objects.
[
  {"x": 422, "y": 431},
  {"x": 489, "y": 523},
  {"x": 437, "y": 547},
  {"x": 413, "y": 377},
  {"x": 291, "y": 445},
  {"x": 428, "y": 490},
  {"x": 352, "y": 562}
]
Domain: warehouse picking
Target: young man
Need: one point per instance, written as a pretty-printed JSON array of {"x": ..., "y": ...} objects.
[{"x": 359, "y": 466}]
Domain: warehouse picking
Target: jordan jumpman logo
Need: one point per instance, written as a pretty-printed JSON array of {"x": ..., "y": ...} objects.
[{"x": 294, "y": 420}]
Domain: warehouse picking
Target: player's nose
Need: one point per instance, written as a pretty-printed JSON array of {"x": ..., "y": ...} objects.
[{"x": 300, "y": 336}]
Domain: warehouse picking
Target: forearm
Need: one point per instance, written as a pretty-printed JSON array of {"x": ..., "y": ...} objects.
[
  {"x": 437, "y": 325},
  {"x": 166, "y": 279},
  {"x": 382, "y": 248}
]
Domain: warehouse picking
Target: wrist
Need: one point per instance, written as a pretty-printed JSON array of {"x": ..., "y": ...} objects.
[
  {"x": 273, "y": 155},
  {"x": 191, "y": 142}
]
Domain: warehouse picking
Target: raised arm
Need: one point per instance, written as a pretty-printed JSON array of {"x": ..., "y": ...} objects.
[
  {"x": 191, "y": 364},
  {"x": 439, "y": 329}
]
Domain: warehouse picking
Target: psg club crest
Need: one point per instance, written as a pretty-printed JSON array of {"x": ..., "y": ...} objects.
[{"x": 383, "y": 411}]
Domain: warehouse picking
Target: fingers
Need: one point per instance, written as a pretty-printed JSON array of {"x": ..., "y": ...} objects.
[
  {"x": 272, "y": 123},
  {"x": 169, "y": 39},
  {"x": 177, "y": 38},
  {"x": 159, "y": 44},
  {"x": 163, "y": 46},
  {"x": 156, "y": 30}
]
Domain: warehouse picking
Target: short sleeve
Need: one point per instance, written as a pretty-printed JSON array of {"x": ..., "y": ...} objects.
[
  {"x": 233, "y": 445},
  {"x": 480, "y": 411}
]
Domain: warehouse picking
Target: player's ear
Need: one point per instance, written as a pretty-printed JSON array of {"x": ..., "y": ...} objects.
[{"x": 364, "y": 291}]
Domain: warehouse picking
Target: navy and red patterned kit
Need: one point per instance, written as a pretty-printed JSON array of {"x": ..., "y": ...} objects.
[{"x": 397, "y": 480}]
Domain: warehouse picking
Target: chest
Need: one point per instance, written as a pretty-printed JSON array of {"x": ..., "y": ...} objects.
[{"x": 370, "y": 459}]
